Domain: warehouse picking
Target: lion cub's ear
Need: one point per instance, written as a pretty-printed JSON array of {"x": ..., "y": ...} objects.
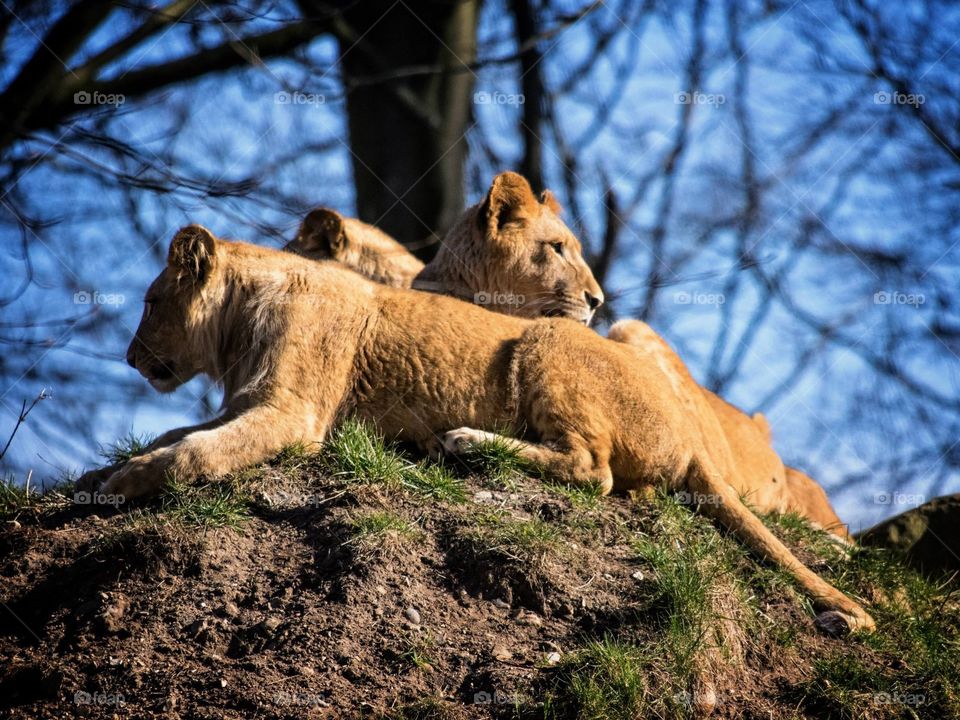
[
  {"x": 321, "y": 234},
  {"x": 193, "y": 253},
  {"x": 549, "y": 199},
  {"x": 510, "y": 199}
]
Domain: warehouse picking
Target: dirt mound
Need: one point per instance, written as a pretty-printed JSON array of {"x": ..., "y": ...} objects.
[{"x": 304, "y": 590}]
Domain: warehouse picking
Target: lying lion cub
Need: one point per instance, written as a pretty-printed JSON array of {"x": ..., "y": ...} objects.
[
  {"x": 297, "y": 345},
  {"x": 533, "y": 266}
]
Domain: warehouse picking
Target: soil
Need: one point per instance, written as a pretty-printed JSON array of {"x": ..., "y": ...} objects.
[{"x": 115, "y": 613}]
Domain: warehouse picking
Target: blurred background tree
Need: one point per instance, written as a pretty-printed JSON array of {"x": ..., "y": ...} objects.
[{"x": 772, "y": 185}]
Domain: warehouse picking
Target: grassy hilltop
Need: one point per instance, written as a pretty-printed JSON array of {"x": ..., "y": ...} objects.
[{"x": 353, "y": 580}]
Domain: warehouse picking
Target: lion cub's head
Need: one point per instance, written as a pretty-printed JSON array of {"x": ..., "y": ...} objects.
[
  {"x": 326, "y": 234},
  {"x": 171, "y": 344},
  {"x": 513, "y": 254}
]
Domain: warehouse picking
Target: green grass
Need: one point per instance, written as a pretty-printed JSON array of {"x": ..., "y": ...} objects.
[
  {"x": 126, "y": 447},
  {"x": 588, "y": 497},
  {"x": 693, "y": 566},
  {"x": 527, "y": 541},
  {"x": 418, "y": 650},
  {"x": 498, "y": 462},
  {"x": 605, "y": 680},
  {"x": 373, "y": 529},
  {"x": 435, "y": 482},
  {"x": 296, "y": 455},
  {"x": 213, "y": 505},
  {"x": 16, "y": 498},
  {"x": 358, "y": 453}
]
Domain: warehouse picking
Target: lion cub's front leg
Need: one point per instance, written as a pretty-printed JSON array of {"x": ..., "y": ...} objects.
[
  {"x": 253, "y": 437},
  {"x": 570, "y": 459}
]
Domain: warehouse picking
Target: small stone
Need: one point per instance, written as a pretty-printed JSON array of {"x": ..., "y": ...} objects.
[
  {"x": 223, "y": 682},
  {"x": 483, "y": 496},
  {"x": 230, "y": 609},
  {"x": 501, "y": 653},
  {"x": 552, "y": 658},
  {"x": 530, "y": 618},
  {"x": 413, "y": 615},
  {"x": 381, "y": 590},
  {"x": 502, "y": 604},
  {"x": 638, "y": 576},
  {"x": 271, "y": 624},
  {"x": 111, "y": 616},
  {"x": 196, "y": 627},
  {"x": 550, "y": 646}
]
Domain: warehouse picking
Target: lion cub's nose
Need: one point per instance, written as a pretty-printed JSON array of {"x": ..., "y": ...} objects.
[{"x": 593, "y": 301}]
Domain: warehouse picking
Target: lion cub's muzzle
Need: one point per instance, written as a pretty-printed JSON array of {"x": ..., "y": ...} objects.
[{"x": 158, "y": 372}]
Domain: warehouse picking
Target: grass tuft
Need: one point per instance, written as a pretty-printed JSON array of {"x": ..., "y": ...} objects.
[
  {"x": 358, "y": 453},
  {"x": 498, "y": 462},
  {"x": 213, "y": 505},
  {"x": 604, "y": 680},
  {"x": 588, "y": 497},
  {"x": 126, "y": 447},
  {"x": 527, "y": 541}
]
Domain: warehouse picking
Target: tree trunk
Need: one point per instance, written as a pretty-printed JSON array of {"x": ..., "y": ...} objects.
[{"x": 408, "y": 135}]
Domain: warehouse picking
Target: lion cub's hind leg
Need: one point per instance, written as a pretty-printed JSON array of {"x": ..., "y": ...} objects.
[{"x": 570, "y": 459}]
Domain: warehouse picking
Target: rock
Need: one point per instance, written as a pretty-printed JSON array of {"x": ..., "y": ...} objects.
[
  {"x": 196, "y": 627},
  {"x": 927, "y": 537},
  {"x": 638, "y": 576},
  {"x": 483, "y": 496},
  {"x": 413, "y": 615},
  {"x": 529, "y": 618},
  {"x": 550, "y": 646},
  {"x": 270, "y": 625},
  {"x": 552, "y": 658},
  {"x": 114, "y": 608},
  {"x": 230, "y": 609},
  {"x": 502, "y": 604},
  {"x": 501, "y": 653}
]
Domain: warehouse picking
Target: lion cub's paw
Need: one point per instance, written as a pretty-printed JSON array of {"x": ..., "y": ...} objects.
[
  {"x": 836, "y": 623},
  {"x": 141, "y": 475},
  {"x": 461, "y": 440},
  {"x": 91, "y": 480}
]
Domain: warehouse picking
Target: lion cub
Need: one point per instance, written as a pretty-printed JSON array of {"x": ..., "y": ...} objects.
[
  {"x": 533, "y": 266},
  {"x": 298, "y": 344}
]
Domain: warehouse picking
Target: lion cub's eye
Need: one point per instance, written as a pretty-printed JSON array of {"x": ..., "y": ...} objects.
[{"x": 557, "y": 248}]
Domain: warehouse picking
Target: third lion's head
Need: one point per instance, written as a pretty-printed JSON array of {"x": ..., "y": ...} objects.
[{"x": 513, "y": 254}]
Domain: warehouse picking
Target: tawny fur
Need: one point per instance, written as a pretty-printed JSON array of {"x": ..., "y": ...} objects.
[
  {"x": 325, "y": 234},
  {"x": 417, "y": 365},
  {"x": 499, "y": 250}
]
